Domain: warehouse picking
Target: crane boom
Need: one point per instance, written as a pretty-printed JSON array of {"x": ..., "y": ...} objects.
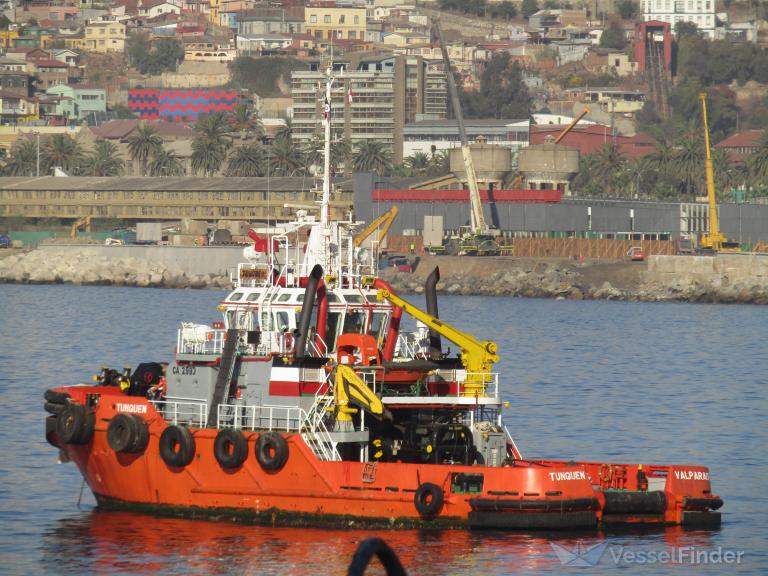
[
  {"x": 477, "y": 356},
  {"x": 476, "y": 207},
  {"x": 384, "y": 221},
  {"x": 714, "y": 239},
  {"x": 570, "y": 126}
]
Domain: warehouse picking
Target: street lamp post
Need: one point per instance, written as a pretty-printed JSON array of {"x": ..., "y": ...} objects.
[{"x": 37, "y": 134}]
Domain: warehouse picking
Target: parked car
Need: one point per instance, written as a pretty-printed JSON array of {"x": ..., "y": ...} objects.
[
  {"x": 400, "y": 262},
  {"x": 5, "y": 241}
]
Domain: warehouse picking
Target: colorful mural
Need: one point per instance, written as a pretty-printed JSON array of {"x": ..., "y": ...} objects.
[{"x": 181, "y": 105}]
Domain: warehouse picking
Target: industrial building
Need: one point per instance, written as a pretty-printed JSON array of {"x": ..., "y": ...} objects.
[{"x": 520, "y": 215}]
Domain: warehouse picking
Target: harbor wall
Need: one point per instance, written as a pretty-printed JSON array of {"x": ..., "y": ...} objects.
[
  {"x": 721, "y": 271},
  {"x": 213, "y": 260}
]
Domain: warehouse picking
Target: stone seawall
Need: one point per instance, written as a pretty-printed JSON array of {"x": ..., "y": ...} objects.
[{"x": 722, "y": 278}]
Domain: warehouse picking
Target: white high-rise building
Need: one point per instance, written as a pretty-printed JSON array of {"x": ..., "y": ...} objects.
[{"x": 700, "y": 12}]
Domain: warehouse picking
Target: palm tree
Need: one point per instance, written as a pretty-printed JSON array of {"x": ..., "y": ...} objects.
[
  {"x": 285, "y": 132},
  {"x": 341, "y": 152},
  {"x": 418, "y": 163},
  {"x": 439, "y": 163},
  {"x": 757, "y": 163},
  {"x": 608, "y": 167},
  {"x": 63, "y": 152},
  {"x": 212, "y": 140},
  {"x": 689, "y": 164},
  {"x": 372, "y": 156},
  {"x": 165, "y": 163},
  {"x": 728, "y": 177},
  {"x": 284, "y": 159},
  {"x": 23, "y": 160},
  {"x": 245, "y": 122},
  {"x": 143, "y": 145},
  {"x": 104, "y": 160},
  {"x": 248, "y": 161}
]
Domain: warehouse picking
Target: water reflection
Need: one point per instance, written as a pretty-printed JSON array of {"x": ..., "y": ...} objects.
[{"x": 107, "y": 542}]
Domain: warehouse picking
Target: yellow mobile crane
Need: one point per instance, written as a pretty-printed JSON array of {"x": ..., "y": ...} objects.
[
  {"x": 83, "y": 222},
  {"x": 570, "y": 126},
  {"x": 477, "y": 357},
  {"x": 714, "y": 240},
  {"x": 479, "y": 239}
]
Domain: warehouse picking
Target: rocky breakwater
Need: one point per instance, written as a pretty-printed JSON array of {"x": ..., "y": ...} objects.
[
  {"x": 737, "y": 279},
  {"x": 77, "y": 267}
]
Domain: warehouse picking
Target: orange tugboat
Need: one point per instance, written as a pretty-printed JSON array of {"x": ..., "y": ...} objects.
[{"x": 306, "y": 404}]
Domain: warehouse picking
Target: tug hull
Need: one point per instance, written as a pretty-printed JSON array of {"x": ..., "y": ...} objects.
[{"x": 538, "y": 494}]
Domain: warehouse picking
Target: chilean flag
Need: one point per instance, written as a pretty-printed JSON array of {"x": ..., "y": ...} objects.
[
  {"x": 349, "y": 95},
  {"x": 326, "y": 109}
]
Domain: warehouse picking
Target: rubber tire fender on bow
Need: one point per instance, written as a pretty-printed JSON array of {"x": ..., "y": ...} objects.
[
  {"x": 75, "y": 425},
  {"x": 428, "y": 499},
  {"x": 230, "y": 448},
  {"x": 177, "y": 446},
  {"x": 127, "y": 433},
  {"x": 271, "y": 451}
]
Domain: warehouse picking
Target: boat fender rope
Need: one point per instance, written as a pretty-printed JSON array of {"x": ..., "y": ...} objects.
[
  {"x": 127, "y": 433},
  {"x": 230, "y": 448},
  {"x": 271, "y": 451},
  {"x": 177, "y": 446},
  {"x": 428, "y": 499}
]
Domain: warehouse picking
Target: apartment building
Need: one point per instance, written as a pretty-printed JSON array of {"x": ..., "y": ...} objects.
[
  {"x": 386, "y": 93},
  {"x": 105, "y": 37},
  {"x": 331, "y": 20},
  {"x": 699, "y": 12}
]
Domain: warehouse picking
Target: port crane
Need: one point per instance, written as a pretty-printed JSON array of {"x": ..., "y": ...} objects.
[
  {"x": 714, "y": 240},
  {"x": 383, "y": 223},
  {"x": 478, "y": 239}
]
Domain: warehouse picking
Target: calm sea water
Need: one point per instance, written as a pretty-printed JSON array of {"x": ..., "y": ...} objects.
[{"x": 668, "y": 383}]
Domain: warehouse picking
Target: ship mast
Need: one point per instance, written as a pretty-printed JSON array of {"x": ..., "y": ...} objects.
[{"x": 325, "y": 210}]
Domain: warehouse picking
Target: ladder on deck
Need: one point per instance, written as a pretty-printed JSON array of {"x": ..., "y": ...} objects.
[
  {"x": 226, "y": 372},
  {"x": 315, "y": 433}
]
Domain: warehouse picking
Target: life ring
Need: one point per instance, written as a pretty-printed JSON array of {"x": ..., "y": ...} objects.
[
  {"x": 127, "y": 433},
  {"x": 230, "y": 448},
  {"x": 75, "y": 425},
  {"x": 177, "y": 446},
  {"x": 428, "y": 499},
  {"x": 271, "y": 451}
]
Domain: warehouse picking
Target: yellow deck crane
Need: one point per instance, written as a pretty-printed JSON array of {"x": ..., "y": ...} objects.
[
  {"x": 349, "y": 388},
  {"x": 714, "y": 239},
  {"x": 383, "y": 223},
  {"x": 477, "y": 356}
]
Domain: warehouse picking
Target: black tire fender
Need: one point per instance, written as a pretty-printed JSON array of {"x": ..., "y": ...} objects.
[
  {"x": 54, "y": 408},
  {"x": 75, "y": 425},
  {"x": 128, "y": 433},
  {"x": 271, "y": 451},
  {"x": 428, "y": 499},
  {"x": 177, "y": 446},
  {"x": 56, "y": 397},
  {"x": 230, "y": 448},
  {"x": 50, "y": 431}
]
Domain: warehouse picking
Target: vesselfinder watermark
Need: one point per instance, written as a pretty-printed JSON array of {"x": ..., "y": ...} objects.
[{"x": 585, "y": 555}]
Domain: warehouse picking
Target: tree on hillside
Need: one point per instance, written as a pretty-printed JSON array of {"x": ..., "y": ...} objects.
[
  {"x": 265, "y": 76},
  {"x": 502, "y": 94},
  {"x": 155, "y": 58},
  {"x": 686, "y": 30},
  {"x": 504, "y": 9},
  {"x": 529, "y": 8},
  {"x": 627, "y": 9},
  {"x": 613, "y": 36},
  {"x": 144, "y": 144}
]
